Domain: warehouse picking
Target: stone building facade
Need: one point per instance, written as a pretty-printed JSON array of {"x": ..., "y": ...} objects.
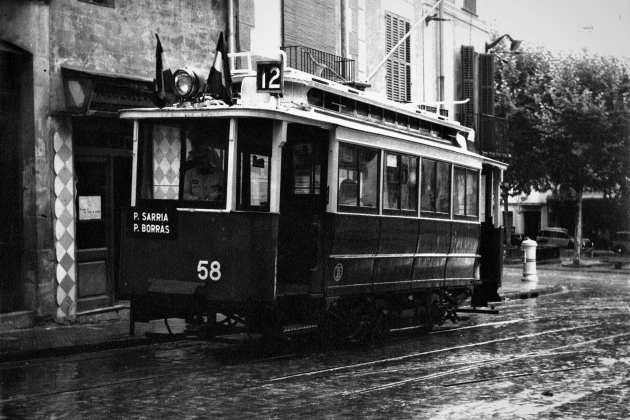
[{"x": 68, "y": 66}]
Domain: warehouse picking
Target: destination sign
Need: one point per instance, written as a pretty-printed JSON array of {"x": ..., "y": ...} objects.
[{"x": 153, "y": 222}]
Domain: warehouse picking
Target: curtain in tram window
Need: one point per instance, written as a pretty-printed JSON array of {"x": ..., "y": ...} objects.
[
  {"x": 459, "y": 195},
  {"x": 166, "y": 162}
]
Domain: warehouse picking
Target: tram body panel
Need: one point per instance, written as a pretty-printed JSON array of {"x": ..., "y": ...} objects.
[
  {"x": 230, "y": 256},
  {"x": 371, "y": 254}
]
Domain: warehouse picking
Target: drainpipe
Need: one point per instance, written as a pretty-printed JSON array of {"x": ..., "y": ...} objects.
[
  {"x": 344, "y": 32},
  {"x": 231, "y": 40},
  {"x": 441, "y": 54}
]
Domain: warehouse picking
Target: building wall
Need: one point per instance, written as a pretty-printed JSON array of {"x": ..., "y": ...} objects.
[
  {"x": 25, "y": 24},
  {"x": 119, "y": 41}
]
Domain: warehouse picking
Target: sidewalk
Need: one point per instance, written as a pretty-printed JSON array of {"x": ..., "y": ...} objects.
[{"x": 50, "y": 339}]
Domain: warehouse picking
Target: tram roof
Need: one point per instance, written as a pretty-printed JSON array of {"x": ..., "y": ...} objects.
[{"x": 294, "y": 112}]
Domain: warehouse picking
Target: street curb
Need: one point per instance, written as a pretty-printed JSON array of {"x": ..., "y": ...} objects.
[
  {"x": 530, "y": 294},
  {"x": 574, "y": 269},
  {"x": 21, "y": 355}
]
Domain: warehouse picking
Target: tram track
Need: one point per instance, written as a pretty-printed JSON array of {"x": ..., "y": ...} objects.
[
  {"x": 487, "y": 363},
  {"x": 322, "y": 372},
  {"x": 425, "y": 353}
]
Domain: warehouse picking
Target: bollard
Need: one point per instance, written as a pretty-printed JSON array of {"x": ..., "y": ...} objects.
[{"x": 529, "y": 260}]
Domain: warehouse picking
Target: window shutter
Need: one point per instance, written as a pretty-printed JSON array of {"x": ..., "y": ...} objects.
[
  {"x": 398, "y": 76},
  {"x": 486, "y": 84},
  {"x": 470, "y": 5},
  {"x": 468, "y": 85}
]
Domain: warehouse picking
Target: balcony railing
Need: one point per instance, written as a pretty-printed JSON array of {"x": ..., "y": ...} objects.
[
  {"x": 319, "y": 63},
  {"x": 492, "y": 138}
]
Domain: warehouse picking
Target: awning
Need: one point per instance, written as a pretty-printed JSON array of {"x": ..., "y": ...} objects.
[{"x": 89, "y": 92}]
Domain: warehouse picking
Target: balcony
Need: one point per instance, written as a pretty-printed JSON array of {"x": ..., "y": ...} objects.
[
  {"x": 319, "y": 63},
  {"x": 492, "y": 135}
]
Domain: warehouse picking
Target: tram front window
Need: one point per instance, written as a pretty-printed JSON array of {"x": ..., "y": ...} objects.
[{"x": 185, "y": 162}]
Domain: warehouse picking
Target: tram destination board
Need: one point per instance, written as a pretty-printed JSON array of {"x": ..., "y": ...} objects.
[
  {"x": 270, "y": 77},
  {"x": 152, "y": 221}
]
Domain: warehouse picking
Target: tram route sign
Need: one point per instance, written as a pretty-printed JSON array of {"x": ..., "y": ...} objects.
[
  {"x": 152, "y": 221},
  {"x": 270, "y": 77}
]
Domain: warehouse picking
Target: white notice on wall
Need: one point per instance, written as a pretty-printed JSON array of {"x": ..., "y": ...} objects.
[{"x": 90, "y": 207}]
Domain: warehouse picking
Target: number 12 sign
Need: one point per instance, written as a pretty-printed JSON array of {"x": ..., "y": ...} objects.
[{"x": 269, "y": 77}]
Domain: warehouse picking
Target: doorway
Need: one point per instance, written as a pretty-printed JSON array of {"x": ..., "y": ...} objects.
[
  {"x": 303, "y": 196},
  {"x": 103, "y": 165},
  {"x": 531, "y": 222},
  {"x": 17, "y": 207}
]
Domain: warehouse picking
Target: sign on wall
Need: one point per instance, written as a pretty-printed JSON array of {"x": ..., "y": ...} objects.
[{"x": 90, "y": 207}]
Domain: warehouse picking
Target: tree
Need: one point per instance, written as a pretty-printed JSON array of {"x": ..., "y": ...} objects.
[{"x": 569, "y": 122}]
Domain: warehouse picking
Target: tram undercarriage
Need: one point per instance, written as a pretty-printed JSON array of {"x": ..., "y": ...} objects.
[{"x": 359, "y": 318}]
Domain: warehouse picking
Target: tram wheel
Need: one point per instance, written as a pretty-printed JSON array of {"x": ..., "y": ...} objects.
[{"x": 380, "y": 327}]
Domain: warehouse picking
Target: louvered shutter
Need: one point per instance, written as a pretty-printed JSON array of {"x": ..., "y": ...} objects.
[
  {"x": 468, "y": 85},
  {"x": 398, "y": 75},
  {"x": 486, "y": 84}
]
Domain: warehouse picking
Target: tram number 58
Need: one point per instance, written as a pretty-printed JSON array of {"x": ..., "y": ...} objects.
[
  {"x": 213, "y": 271},
  {"x": 269, "y": 77}
]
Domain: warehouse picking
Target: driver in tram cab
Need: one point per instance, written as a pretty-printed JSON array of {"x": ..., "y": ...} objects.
[{"x": 204, "y": 182}]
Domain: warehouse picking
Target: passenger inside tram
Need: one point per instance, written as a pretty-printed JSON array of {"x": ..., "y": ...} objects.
[{"x": 204, "y": 181}]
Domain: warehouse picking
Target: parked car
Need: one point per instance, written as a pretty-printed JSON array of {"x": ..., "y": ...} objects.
[
  {"x": 555, "y": 237},
  {"x": 621, "y": 248},
  {"x": 587, "y": 243}
]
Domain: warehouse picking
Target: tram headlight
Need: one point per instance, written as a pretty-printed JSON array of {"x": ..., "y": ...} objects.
[{"x": 188, "y": 83}]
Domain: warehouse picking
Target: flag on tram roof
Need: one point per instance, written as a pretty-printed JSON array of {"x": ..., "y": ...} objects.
[
  {"x": 220, "y": 79},
  {"x": 163, "y": 92}
]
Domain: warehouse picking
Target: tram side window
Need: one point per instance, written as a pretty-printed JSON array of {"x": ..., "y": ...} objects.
[
  {"x": 254, "y": 164},
  {"x": 466, "y": 192},
  {"x": 435, "y": 187},
  {"x": 254, "y": 181},
  {"x": 161, "y": 161},
  {"x": 358, "y": 177},
  {"x": 400, "y": 189}
]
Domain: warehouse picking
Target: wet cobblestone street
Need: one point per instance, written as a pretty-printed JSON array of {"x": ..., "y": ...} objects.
[{"x": 564, "y": 355}]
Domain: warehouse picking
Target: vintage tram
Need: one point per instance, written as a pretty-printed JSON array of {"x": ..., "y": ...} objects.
[{"x": 320, "y": 207}]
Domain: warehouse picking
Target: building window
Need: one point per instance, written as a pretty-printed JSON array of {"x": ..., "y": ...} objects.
[
  {"x": 399, "y": 64},
  {"x": 108, "y": 3},
  {"x": 471, "y": 6}
]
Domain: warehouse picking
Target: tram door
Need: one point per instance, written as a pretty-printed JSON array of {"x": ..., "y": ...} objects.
[{"x": 303, "y": 197}]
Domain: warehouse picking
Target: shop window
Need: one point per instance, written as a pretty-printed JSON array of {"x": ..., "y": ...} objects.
[
  {"x": 358, "y": 177},
  {"x": 400, "y": 189}
]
